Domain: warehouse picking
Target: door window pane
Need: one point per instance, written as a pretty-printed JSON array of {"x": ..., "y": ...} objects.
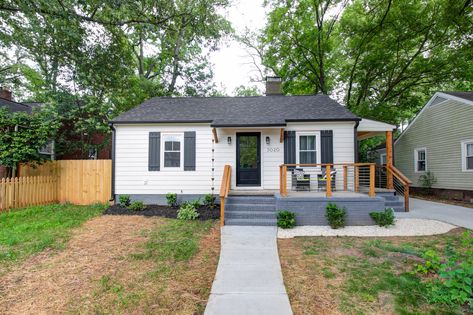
[{"x": 248, "y": 151}]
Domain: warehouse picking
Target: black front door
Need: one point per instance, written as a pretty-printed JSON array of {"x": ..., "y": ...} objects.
[{"x": 248, "y": 170}]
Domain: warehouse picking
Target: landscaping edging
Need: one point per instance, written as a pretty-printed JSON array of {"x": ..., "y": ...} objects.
[
  {"x": 205, "y": 213},
  {"x": 403, "y": 227}
]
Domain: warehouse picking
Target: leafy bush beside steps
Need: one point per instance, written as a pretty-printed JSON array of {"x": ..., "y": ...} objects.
[{"x": 286, "y": 219}]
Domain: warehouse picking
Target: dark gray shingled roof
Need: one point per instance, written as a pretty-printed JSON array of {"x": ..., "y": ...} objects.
[
  {"x": 238, "y": 111},
  {"x": 465, "y": 95},
  {"x": 12, "y": 106}
]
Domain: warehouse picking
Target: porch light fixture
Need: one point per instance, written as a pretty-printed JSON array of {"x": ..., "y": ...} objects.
[
  {"x": 229, "y": 140},
  {"x": 268, "y": 140}
]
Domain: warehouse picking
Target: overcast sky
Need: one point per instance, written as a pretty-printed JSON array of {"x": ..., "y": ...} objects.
[{"x": 231, "y": 63}]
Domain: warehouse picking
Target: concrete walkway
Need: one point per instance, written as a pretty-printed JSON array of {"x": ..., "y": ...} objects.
[
  {"x": 249, "y": 279},
  {"x": 423, "y": 209}
]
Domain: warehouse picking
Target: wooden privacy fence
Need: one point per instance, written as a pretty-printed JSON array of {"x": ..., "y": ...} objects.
[{"x": 80, "y": 182}]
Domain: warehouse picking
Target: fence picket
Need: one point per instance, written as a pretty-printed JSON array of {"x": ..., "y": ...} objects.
[{"x": 77, "y": 181}]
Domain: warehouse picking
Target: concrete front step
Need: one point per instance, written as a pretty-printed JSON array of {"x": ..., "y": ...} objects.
[
  {"x": 249, "y": 207},
  {"x": 250, "y": 200},
  {"x": 251, "y": 222},
  {"x": 250, "y": 214}
]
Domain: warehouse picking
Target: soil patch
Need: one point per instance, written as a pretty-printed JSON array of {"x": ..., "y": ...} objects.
[
  {"x": 45, "y": 283},
  {"x": 205, "y": 213}
]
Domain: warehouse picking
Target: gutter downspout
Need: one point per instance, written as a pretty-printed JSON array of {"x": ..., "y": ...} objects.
[
  {"x": 112, "y": 197},
  {"x": 356, "y": 141}
]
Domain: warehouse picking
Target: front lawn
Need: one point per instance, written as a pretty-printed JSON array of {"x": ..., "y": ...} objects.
[
  {"x": 349, "y": 275},
  {"x": 104, "y": 264},
  {"x": 31, "y": 230}
]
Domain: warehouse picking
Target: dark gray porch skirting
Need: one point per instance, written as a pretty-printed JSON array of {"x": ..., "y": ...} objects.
[{"x": 311, "y": 210}]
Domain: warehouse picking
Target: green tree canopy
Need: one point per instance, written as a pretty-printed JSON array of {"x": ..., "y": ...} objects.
[{"x": 383, "y": 59}]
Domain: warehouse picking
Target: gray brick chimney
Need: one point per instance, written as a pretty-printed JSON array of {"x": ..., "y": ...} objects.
[{"x": 273, "y": 86}]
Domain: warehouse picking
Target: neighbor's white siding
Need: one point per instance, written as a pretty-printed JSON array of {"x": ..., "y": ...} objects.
[{"x": 131, "y": 162}]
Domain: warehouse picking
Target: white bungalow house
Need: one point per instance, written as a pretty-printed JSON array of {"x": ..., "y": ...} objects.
[{"x": 277, "y": 150}]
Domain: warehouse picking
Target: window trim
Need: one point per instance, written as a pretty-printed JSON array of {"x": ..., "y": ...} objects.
[
  {"x": 416, "y": 160},
  {"x": 464, "y": 144},
  {"x": 381, "y": 158},
  {"x": 317, "y": 144},
  {"x": 181, "y": 151}
]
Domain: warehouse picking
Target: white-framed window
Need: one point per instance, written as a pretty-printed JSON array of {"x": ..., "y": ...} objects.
[
  {"x": 420, "y": 160},
  {"x": 467, "y": 155},
  {"x": 382, "y": 158},
  {"x": 307, "y": 148},
  {"x": 172, "y": 151}
]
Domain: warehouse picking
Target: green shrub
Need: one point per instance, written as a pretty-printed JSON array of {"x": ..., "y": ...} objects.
[
  {"x": 427, "y": 180},
  {"x": 171, "y": 199},
  {"x": 451, "y": 282},
  {"x": 124, "y": 200},
  {"x": 209, "y": 201},
  {"x": 196, "y": 203},
  {"x": 384, "y": 218},
  {"x": 187, "y": 212},
  {"x": 136, "y": 205},
  {"x": 335, "y": 216},
  {"x": 286, "y": 219}
]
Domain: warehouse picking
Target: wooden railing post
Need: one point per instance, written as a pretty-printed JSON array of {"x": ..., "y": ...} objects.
[
  {"x": 406, "y": 197},
  {"x": 357, "y": 178},
  {"x": 372, "y": 180},
  {"x": 222, "y": 211},
  {"x": 328, "y": 192},
  {"x": 345, "y": 177},
  {"x": 284, "y": 181}
]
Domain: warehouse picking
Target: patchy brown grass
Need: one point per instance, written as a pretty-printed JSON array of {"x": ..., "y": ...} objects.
[
  {"x": 105, "y": 268},
  {"x": 349, "y": 275}
]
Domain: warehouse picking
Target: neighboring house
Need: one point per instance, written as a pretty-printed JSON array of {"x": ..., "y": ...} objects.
[
  {"x": 48, "y": 151},
  {"x": 440, "y": 140},
  {"x": 181, "y": 145}
]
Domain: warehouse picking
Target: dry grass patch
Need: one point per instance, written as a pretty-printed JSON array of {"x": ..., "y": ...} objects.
[
  {"x": 349, "y": 275},
  {"x": 119, "y": 264}
]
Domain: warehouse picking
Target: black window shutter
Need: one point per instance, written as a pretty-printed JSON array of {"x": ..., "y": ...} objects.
[
  {"x": 326, "y": 143},
  {"x": 154, "y": 151},
  {"x": 290, "y": 147},
  {"x": 189, "y": 151}
]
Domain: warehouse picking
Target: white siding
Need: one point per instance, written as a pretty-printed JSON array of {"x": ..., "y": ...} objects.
[{"x": 131, "y": 163}]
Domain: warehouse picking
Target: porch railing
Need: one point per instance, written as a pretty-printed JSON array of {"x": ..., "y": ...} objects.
[
  {"x": 355, "y": 177},
  {"x": 400, "y": 184},
  {"x": 224, "y": 189}
]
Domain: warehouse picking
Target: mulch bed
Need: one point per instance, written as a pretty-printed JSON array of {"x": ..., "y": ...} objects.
[
  {"x": 435, "y": 198},
  {"x": 205, "y": 213}
]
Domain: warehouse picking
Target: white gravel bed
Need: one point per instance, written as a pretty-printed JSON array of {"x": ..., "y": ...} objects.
[{"x": 402, "y": 227}]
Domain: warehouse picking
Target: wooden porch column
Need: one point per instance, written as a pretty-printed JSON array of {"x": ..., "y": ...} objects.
[
  {"x": 389, "y": 159},
  {"x": 328, "y": 183},
  {"x": 345, "y": 177}
]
